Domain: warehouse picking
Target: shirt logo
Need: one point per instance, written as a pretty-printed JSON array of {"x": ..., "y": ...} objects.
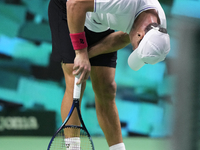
[{"x": 96, "y": 22}]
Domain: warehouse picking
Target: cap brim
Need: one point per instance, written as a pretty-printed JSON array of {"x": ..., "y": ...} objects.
[{"x": 134, "y": 61}]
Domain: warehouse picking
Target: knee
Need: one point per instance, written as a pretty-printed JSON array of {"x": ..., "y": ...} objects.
[{"x": 105, "y": 90}]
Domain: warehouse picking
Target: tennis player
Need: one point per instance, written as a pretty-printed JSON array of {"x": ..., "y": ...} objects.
[{"x": 86, "y": 35}]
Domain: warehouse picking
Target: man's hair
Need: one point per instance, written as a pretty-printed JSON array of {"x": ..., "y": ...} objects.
[{"x": 151, "y": 25}]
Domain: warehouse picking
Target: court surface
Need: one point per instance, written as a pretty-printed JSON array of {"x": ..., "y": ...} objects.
[{"x": 40, "y": 143}]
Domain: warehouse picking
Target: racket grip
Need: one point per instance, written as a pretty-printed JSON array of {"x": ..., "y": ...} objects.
[{"x": 77, "y": 88}]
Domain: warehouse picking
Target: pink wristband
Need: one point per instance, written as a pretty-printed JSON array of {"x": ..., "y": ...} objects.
[{"x": 78, "y": 40}]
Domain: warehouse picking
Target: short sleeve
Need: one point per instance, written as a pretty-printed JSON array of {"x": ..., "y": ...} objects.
[{"x": 112, "y": 6}]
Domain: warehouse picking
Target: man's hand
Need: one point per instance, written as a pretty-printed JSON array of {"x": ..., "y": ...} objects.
[
  {"x": 82, "y": 65},
  {"x": 76, "y": 14}
]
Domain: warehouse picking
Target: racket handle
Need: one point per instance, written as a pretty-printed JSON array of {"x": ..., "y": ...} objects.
[{"x": 77, "y": 88}]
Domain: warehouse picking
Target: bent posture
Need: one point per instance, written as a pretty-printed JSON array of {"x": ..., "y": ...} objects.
[{"x": 86, "y": 35}]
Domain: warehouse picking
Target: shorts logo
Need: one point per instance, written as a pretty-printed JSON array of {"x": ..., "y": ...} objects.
[{"x": 81, "y": 41}]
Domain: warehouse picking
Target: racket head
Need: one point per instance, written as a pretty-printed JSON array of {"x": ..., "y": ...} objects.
[{"x": 74, "y": 132}]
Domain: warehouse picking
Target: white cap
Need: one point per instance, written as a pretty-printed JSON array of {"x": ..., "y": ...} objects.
[{"x": 153, "y": 48}]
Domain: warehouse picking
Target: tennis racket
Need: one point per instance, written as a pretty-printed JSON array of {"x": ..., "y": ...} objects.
[{"x": 72, "y": 137}]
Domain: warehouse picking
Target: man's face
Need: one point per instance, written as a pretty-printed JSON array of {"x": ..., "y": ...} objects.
[{"x": 136, "y": 38}]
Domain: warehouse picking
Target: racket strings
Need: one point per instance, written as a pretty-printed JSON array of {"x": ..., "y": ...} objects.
[{"x": 72, "y": 138}]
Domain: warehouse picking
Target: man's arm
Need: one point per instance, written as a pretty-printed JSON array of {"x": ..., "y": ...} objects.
[
  {"x": 111, "y": 43},
  {"x": 76, "y": 14}
]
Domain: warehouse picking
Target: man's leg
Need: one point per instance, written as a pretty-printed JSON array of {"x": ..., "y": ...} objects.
[
  {"x": 68, "y": 96},
  {"x": 104, "y": 87}
]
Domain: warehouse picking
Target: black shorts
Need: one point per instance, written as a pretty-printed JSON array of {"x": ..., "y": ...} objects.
[{"x": 62, "y": 49}]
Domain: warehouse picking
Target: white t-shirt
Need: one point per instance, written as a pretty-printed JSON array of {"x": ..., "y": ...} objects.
[{"x": 120, "y": 14}]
